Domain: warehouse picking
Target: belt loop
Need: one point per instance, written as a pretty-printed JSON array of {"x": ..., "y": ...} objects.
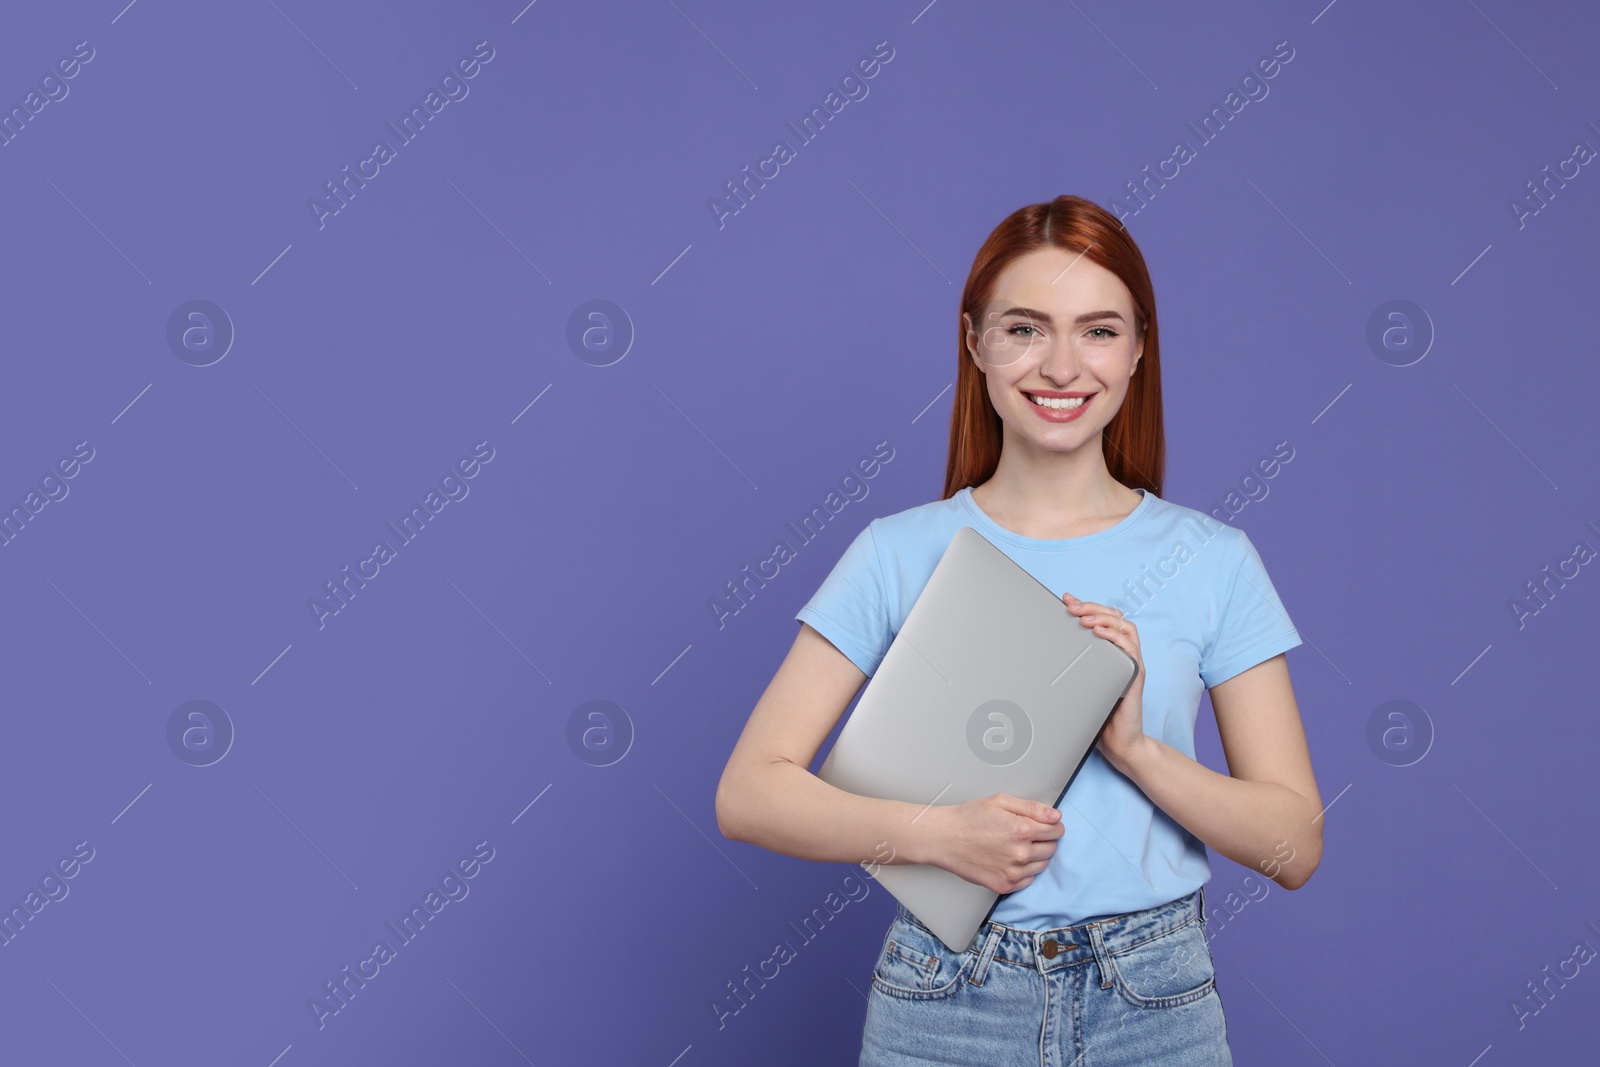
[
  {"x": 1102, "y": 958},
  {"x": 1200, "y": 904},
  {"x": 980, "y": 970}
]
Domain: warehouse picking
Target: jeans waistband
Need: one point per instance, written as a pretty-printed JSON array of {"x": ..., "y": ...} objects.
[{"x": 1066, "y": 945}]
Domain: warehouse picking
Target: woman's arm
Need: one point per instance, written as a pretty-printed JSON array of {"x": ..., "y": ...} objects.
[
  {"x": 1266, "y": 813},
  {"x": 769, "y": 797}
]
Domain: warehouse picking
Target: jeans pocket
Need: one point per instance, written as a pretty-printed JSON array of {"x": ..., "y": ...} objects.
[
  {"x": 915, "y": 965},
  {"x": 1168, "y": 970}
]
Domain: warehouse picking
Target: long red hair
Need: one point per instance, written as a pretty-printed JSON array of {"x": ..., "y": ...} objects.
[{"x": 1134, "y": 444}]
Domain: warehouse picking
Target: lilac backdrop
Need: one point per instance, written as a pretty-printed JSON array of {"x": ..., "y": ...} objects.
[{"x": 1355, "y": 263}]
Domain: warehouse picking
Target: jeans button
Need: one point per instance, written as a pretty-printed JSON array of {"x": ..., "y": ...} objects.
[{"x": 1050, "y": 949}]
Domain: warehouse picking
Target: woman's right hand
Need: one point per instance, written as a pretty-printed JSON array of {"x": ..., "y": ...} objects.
[{"x": 999, "y": 842}]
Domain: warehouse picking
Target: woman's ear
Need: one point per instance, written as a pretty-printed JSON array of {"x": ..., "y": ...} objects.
[{"x": 970, "y": 341}]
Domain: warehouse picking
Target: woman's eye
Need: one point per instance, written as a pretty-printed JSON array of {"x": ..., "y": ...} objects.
[
  {"x": 1109, "y": 332},
  {"x": 1020, "y": 326}
]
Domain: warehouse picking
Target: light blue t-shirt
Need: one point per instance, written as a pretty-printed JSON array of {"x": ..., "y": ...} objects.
[{"x": 1206, "y": 610}]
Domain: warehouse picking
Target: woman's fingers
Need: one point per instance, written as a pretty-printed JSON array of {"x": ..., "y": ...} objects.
[
  {"x": 1101, "y": 619},
  {"x": 1082, "y": 607}
]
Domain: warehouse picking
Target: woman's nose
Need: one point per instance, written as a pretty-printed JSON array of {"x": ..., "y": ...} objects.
[{"x": 1059, "y": 361}]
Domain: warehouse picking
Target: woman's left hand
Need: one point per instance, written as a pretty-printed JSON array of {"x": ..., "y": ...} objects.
[{"x": 1124, "y": 732}]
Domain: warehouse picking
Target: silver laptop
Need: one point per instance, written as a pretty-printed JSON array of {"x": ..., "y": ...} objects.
[{"x": 991, "y": 686}]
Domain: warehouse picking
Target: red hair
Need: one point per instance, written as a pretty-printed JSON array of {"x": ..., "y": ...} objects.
[{"x": 1134, "y": 444}]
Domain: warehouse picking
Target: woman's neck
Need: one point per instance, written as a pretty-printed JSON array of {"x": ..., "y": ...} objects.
[{"x": 1056, "y": 499}]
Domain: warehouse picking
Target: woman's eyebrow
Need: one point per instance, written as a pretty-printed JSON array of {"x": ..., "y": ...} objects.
[{"x": 1045, "y": 317}]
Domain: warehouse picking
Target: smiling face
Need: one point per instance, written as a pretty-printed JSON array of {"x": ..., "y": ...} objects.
[{"x": 1059, "y": 329}]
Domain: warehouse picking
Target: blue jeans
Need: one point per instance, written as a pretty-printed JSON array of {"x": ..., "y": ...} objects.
[{"x": 1133, "y": 989}]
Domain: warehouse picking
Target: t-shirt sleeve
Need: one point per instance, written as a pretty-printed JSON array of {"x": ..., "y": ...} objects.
[
  {"x": 1253, "y": 626},
  {"x": 851, "y": 608}
]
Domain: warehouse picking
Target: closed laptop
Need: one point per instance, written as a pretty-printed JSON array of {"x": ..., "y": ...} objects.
[{"x": 991, "y": 686}]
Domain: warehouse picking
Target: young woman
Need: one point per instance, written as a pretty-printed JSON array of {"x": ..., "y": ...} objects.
[{"x": 1098, "y": 956}]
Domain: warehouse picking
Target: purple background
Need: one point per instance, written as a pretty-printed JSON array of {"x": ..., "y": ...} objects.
[{"x": 767, "y": 356}]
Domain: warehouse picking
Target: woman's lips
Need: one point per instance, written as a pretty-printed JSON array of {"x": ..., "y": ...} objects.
[{"x": 1056, "y": 415}]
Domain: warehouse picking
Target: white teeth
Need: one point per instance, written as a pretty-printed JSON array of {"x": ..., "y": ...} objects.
[{"x": 1058, "y": 403}]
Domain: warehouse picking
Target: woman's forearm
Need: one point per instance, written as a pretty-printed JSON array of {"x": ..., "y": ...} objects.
[
  {"x": 784, "y": 807},
  {"x": 1261, "y": 825}
]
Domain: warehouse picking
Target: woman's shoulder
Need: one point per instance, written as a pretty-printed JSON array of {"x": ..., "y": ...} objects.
[
  {"x": 919, "y": 521},
  {"x": 1191, "y": 535},
  {"x": 1170, "y": 515}
]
